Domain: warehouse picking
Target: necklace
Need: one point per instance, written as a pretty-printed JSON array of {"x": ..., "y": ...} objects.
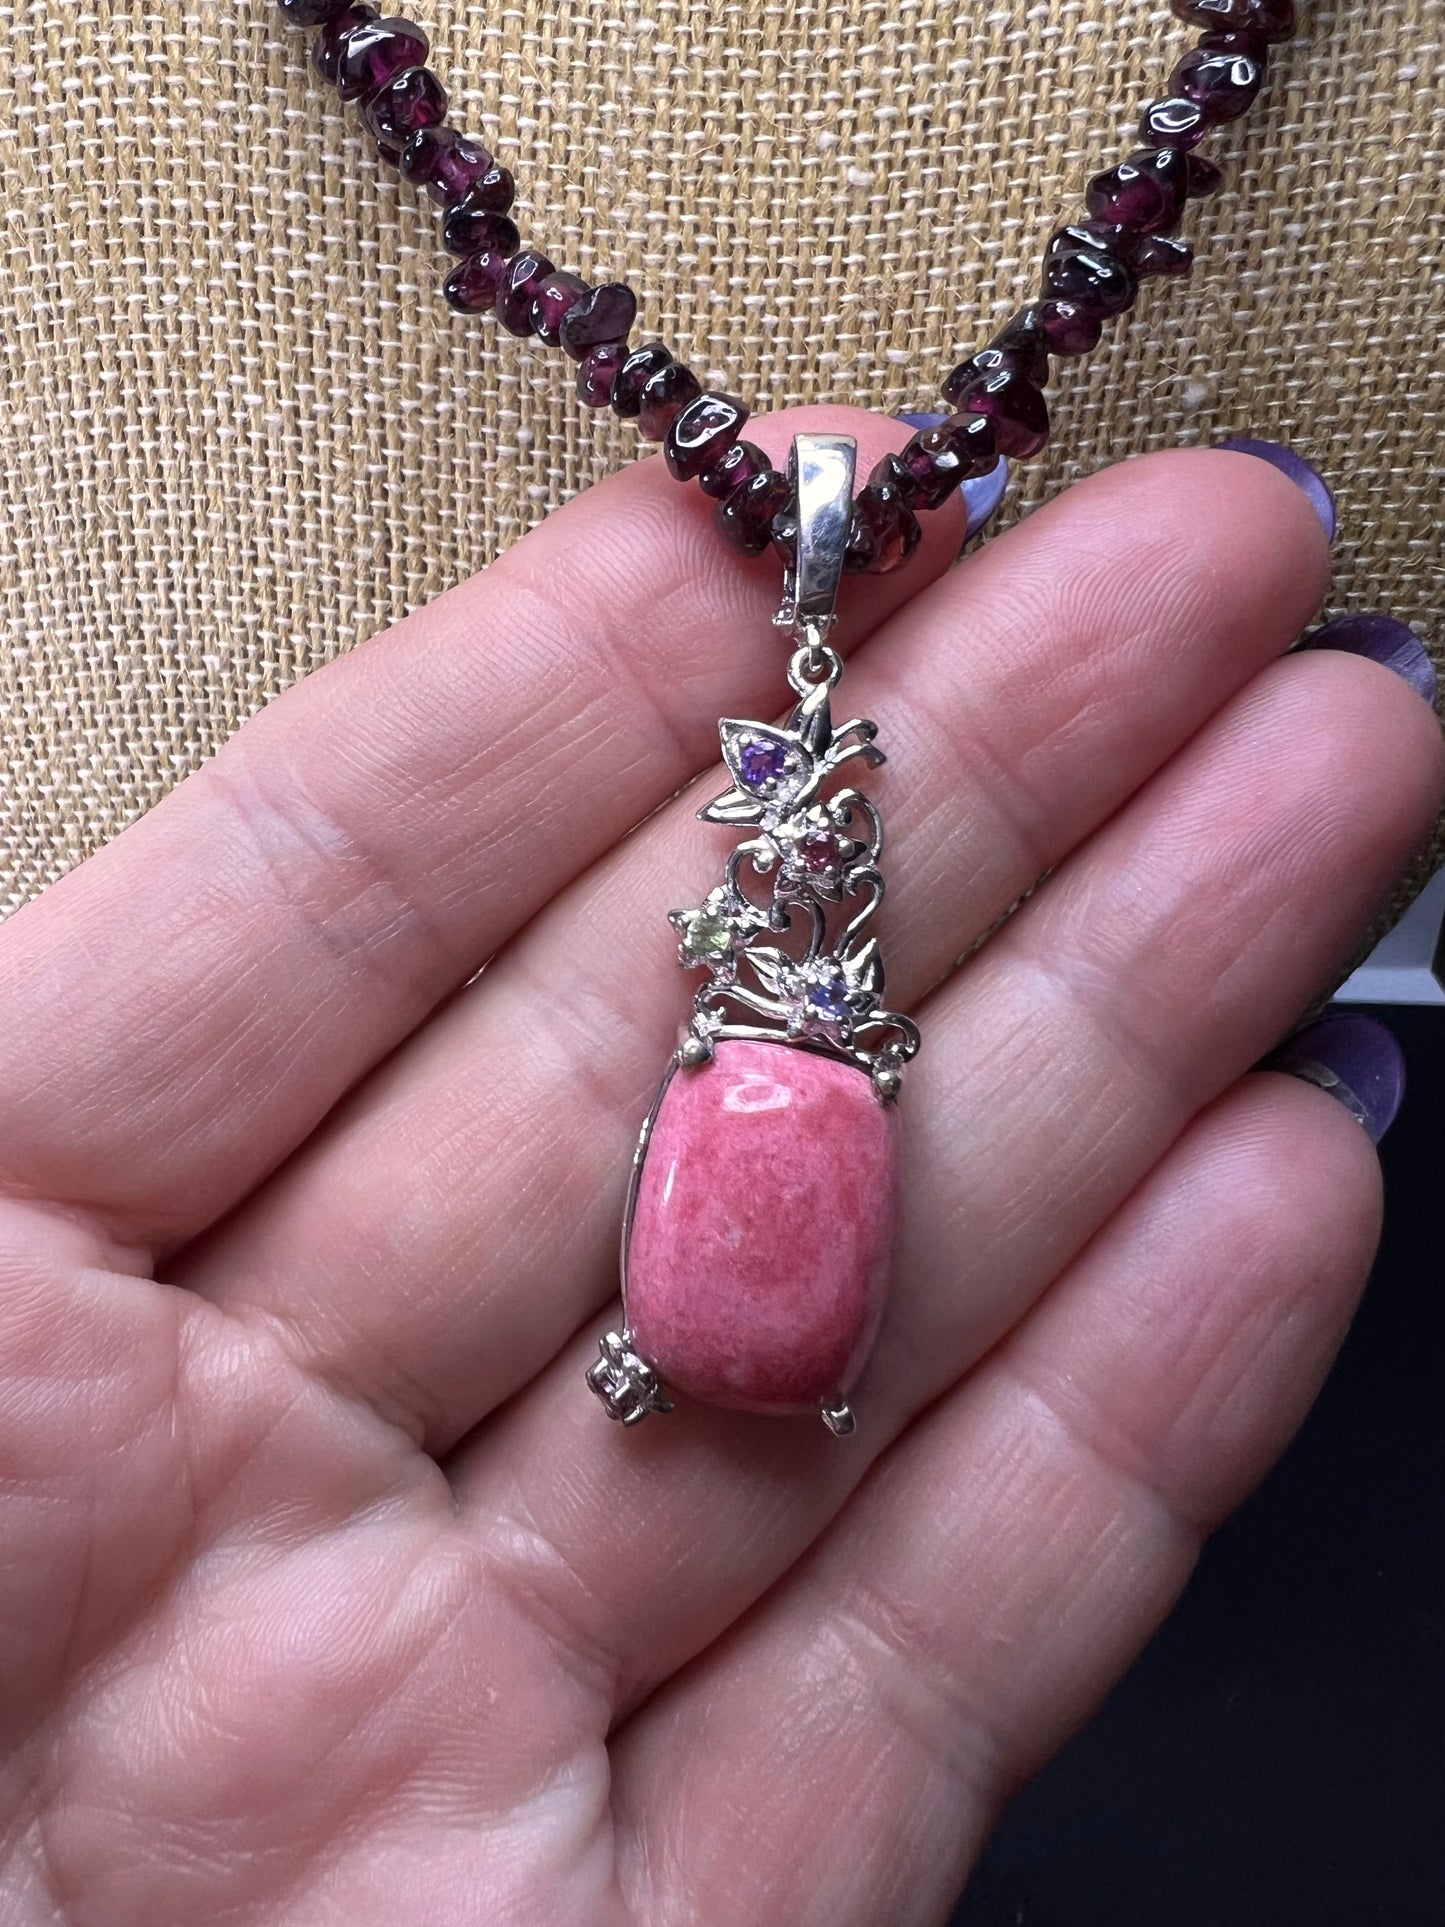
[{"x": 759, "y": 1218}]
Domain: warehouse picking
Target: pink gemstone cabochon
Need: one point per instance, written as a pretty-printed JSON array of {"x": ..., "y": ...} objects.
[{"x": 762, "y": 1230}]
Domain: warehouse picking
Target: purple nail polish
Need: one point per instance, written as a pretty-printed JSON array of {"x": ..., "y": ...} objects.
[
  {"x": 1302, "y": 473},
  {"x": 1357, "y": 1060},
  {"x": 982, "y": 495},
  {"x": 1383, "y": 640}
]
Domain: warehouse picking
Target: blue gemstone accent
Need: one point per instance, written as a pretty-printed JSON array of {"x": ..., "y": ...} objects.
[{"x": 830, "y": 996}]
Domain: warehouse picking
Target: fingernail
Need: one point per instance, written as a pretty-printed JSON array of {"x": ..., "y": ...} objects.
[
  {"x": 1302, "y": 473},
  {"x": 982, "y": 493},
  {"x": 1356, "y": 1060},
  {"x": 1383, "y": 640}
]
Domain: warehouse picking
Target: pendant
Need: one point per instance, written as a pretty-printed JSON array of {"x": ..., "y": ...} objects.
[{"x": 758, "y": 1230}]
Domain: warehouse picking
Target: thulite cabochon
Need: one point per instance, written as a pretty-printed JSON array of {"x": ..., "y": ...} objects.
[{"x": 763, "y": 1228}]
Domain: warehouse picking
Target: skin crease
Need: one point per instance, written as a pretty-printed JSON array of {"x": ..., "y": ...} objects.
[{"x": 327, "y": 1594}]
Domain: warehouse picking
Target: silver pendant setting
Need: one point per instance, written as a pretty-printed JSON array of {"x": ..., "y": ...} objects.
[{"x": 784, "y": 938}]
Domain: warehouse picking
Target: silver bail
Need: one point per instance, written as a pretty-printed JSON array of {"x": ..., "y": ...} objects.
[{"x": 820, "y": 469}]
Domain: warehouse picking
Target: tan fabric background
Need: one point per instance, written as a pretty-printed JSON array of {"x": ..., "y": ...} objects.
[{"x": 241, "y": 431}]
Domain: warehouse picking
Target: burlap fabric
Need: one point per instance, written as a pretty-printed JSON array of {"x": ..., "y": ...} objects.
[{"x": 242, "y": 431}]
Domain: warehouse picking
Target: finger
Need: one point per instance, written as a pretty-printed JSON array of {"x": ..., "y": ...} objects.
[
  {"x": 182, "y": 1010},
  {"x": 842, "y": 1756},
  {"x": 1022, "y": 700},
  {"x": 1153, "y": 969}
]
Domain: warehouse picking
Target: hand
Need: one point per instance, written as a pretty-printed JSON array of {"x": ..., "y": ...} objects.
[{"x": 330, "y": 1597}]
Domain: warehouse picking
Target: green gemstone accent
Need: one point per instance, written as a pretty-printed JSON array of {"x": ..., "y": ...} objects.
[{"x": 709, "y": 939}]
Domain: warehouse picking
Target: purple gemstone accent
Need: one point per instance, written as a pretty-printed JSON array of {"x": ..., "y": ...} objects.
[
  {"x": 1303, "y": 474},
  {"x": 446, "y": 162},
  {"x": 1356, "y": 1060},
  {"x": 1383, "y": 640},
  {"x": 920, "y": 420},
  {"x": 760, "y": 762}
]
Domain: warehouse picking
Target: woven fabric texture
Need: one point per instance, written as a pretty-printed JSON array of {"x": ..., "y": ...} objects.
[{"x": 242, "y": 431}]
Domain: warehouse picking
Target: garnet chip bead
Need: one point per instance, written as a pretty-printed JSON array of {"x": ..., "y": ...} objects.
[
  {"x": 702, "y": 434},
  {"x": 519, "y": 288},
  {"x": 744, "y": 519},
  {"x": 312, "y": 13},
  {"x": 375, "y": 53},
  {"x": 1270, "y": 19},
  {"x": 446, "y": 162},
  {"x": 414, "y": 100}
]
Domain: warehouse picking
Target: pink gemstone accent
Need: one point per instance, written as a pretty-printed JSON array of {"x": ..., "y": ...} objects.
[{"x": 763, "y": 1229}]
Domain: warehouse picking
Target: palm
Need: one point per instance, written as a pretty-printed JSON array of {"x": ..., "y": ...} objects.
[{"x": 329, "y": 1595}]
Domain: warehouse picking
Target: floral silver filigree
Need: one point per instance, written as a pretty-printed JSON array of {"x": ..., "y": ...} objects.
[{"x": 819, "y": 857}]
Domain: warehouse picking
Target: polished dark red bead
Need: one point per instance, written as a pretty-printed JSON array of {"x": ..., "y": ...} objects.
[
  {"x": 554, "y": 300},
  {"x": 1017, "y": 410},
  {"x": 663, "y": 400},
  {"x": 1205, "y": 177},
  {"x": 744, "y": 518},
  {"x": 376, "y": 53},
  {"x": 312, "y": 13},
  {"x": 329, "y": 45},
  {"x": 1089, "y": 276},
  {"x": 1223, "y": 82},
  {"x": 740, "y": 464},
  {"x": 988, "y": 361},
  {"x": 1068, "y": 328},
  {"x": 414, "y": 100},
  {"x": 597, "y": 372},
  {"x": 472, "y": 285},
  {"x": 1270, "y": 19},
  {"x": 1023, "y": 335},
  {"x": 497, "y": 233},
  {"x": 1174, "y": 122},
  {"x": 1162, "y": 254},
  {"x": 446, "y": 162},
  {"x": 884, "y": 531},
  {"x": 468, "y": 225},
  {"x": 525, "y": 274},
  {"x": 1146, "y": 192},
  {"x": 939, "y": 459},
  {"x": 638, "y": 369},
  {"x": 608, "y": 314},
  {"x": 702, "y": 434}
]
